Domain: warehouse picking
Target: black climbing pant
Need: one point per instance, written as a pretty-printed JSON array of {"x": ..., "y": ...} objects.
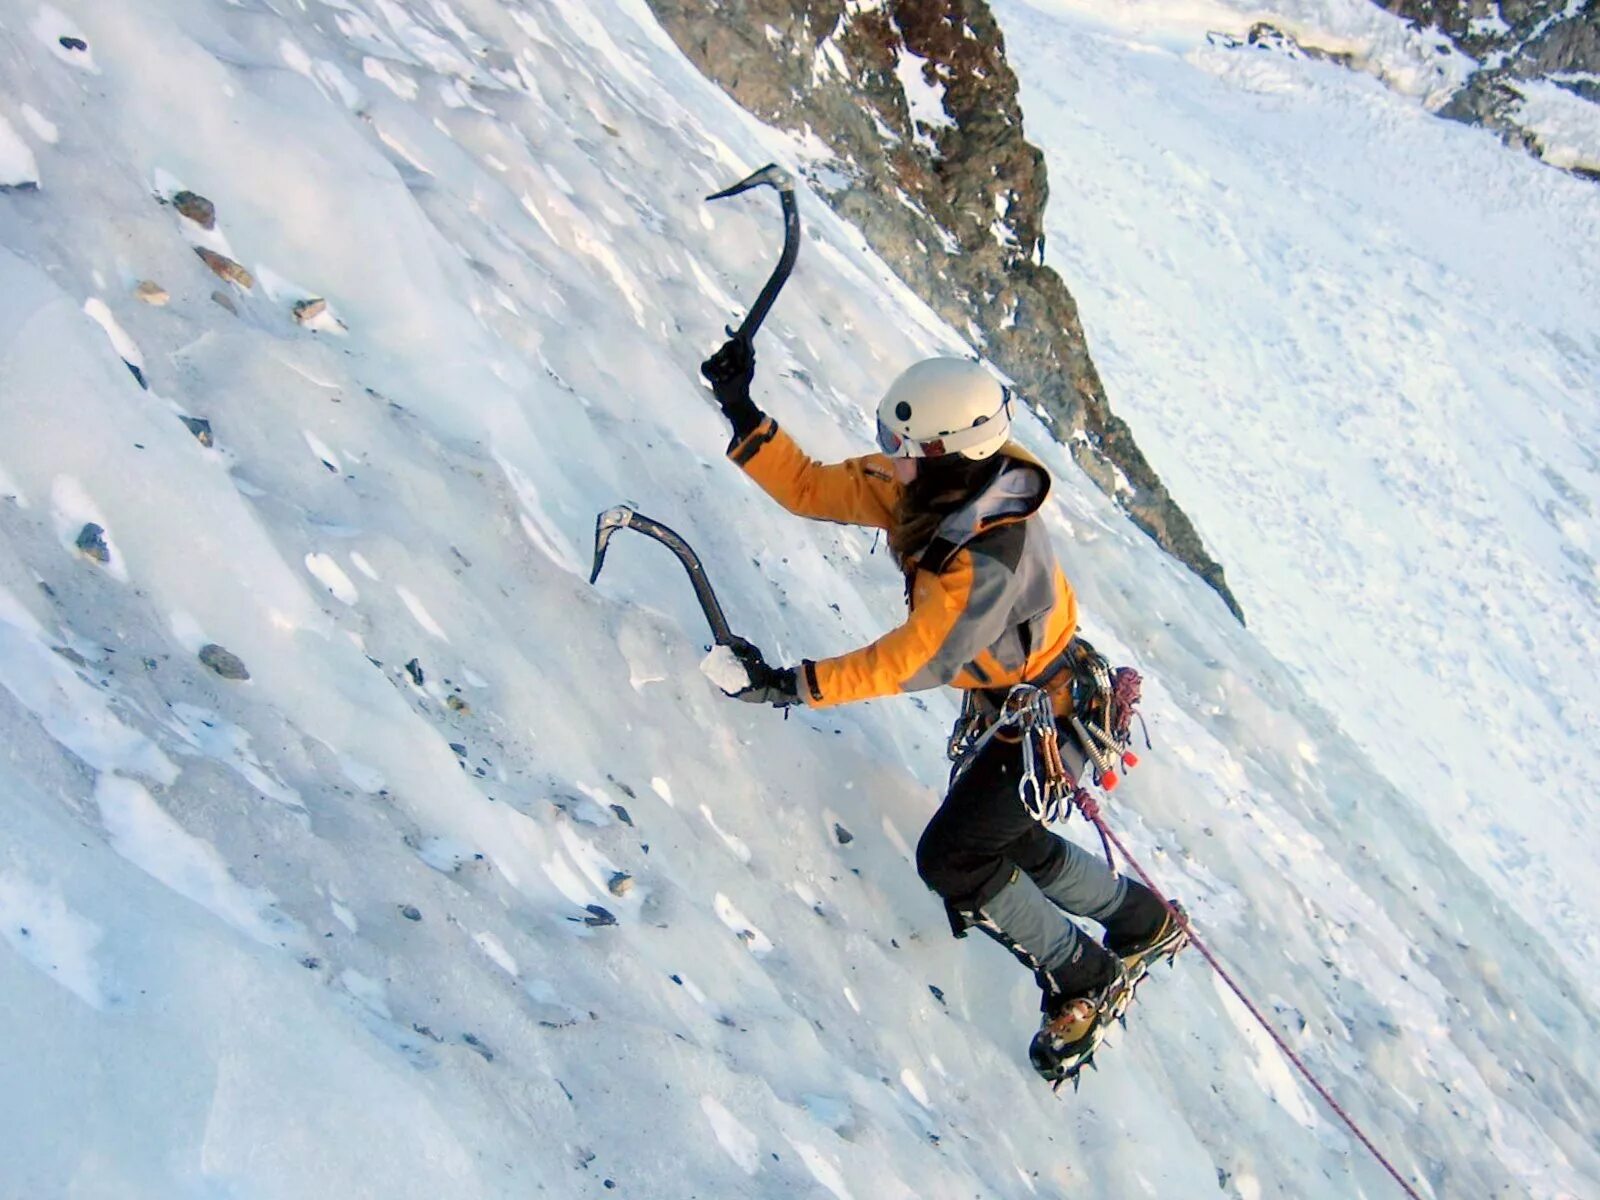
[{"x": 982, "y": 833}]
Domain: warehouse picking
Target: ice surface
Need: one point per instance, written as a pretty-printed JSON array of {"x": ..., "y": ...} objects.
[
  {"x": 43, "y": 931},
  {"x": 331, "y": 575},
  {"x": 18, "y": 167},
  {"x": 43, "y": 128},
  {"x": 231, "y": 871}
]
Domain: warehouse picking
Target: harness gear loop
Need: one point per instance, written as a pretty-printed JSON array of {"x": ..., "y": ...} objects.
[
  {"x": 1044, "y": 788},
  {"x": 1099, "y": 705}
]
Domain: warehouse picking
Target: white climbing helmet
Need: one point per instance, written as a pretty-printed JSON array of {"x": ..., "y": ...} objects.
[{"x": 944, "y": 406}]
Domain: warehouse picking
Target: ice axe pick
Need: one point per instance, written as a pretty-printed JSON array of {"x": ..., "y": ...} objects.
[
  {"x": 625, "y": 517},
  {"x": 782, "y": 182}
]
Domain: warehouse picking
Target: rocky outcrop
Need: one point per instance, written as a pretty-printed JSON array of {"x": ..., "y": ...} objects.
[
  {"x": 919, "y": 109},
  {"x": 1552, "y": 41}
]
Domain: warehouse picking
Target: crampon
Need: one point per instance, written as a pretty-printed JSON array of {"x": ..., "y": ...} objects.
[{"x": 1065, "y": 1045}]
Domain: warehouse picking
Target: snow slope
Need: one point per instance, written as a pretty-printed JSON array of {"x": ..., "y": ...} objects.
[
  {"x": 1373, "y": 372},
  {"x": 475, "y": 886}
]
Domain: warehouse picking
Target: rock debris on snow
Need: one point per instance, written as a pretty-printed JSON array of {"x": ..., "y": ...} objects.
[
  {"x": 410, "y": 912},
  {"x": 152, "y": 293},
  {"x": 307, "y": 311},
  {"x": 91, "y": 543},
  {"x": 72, "y": 656},
  {"x": 223, "y": 662},
  {"x": 225, "y": 268},
  {"x": 620, "y": 884},
  {"x": 200, "y": 427},
  {"x": 197, "y": 208},
  {"x": 223, "y": 300}
]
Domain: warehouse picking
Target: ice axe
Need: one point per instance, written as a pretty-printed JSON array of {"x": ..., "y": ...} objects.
[
  {"x": 773, "y": 176},
  {"x": 624, "y": 517}
]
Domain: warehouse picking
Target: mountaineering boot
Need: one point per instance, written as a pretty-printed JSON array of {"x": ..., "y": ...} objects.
[
  {"x": 1081, "y": 998},
  {"x": 1143, "y": 929},
  {"x": 1084, "y": 985}
]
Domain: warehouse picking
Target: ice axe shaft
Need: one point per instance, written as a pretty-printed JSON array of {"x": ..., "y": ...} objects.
[
  {"x": 624, "y": 517},
  {"x": 775, "y": 177}
]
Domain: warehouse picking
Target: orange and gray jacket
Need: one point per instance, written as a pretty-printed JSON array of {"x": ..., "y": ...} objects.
[{"x": 989, "y": 604}]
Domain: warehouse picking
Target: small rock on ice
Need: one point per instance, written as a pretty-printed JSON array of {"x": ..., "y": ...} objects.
[
  {"x": 225, "y": 268},
  {"x": 223, "y": 662},
  {"x": 314, "y": 314},
  {"x": 92, "y": 543},
  {"x": 197, "y": 208},
  {"x": 200, "y": 427}
]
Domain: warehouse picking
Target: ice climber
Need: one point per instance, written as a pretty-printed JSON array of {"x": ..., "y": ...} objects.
[{"x": 989, "y": 608}]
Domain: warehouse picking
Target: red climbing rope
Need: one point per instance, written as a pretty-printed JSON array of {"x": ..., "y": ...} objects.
[{"x": 1091, "y": 811}]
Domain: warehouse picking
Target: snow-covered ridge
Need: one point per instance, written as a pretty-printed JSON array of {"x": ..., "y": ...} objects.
[
  {"x": 1461, "y": 70},
  {"x": 352, "y": 844}
]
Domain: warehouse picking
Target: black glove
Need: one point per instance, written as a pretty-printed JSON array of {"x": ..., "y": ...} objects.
[
  {"x": 730, "y": 371},
  {"x": 777, "y": 686}
]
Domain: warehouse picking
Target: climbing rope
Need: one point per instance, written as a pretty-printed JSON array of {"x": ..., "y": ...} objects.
[
  {"x": 1048, "y": 792},
  {"x": 1091, "y": 811}
]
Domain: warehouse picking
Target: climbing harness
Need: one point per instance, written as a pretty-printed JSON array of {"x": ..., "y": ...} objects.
[
  {"x": 1100, "y": 707},
  {"x": 1044, "y": 788}
]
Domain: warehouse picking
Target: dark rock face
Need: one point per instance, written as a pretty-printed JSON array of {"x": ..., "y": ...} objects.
[
  {"x": 919, "y": 107},
  {"x": 1515, "y": 40}
]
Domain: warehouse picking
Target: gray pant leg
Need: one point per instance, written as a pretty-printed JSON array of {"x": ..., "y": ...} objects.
[
  {"x": 1083, "y": 885},
  {"x": 1021, "y": 917}
]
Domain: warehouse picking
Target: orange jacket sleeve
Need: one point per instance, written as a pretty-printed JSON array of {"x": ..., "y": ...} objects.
[
  {"x": 859, "y": 491},
  {"x": 944, "y": 631}
]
